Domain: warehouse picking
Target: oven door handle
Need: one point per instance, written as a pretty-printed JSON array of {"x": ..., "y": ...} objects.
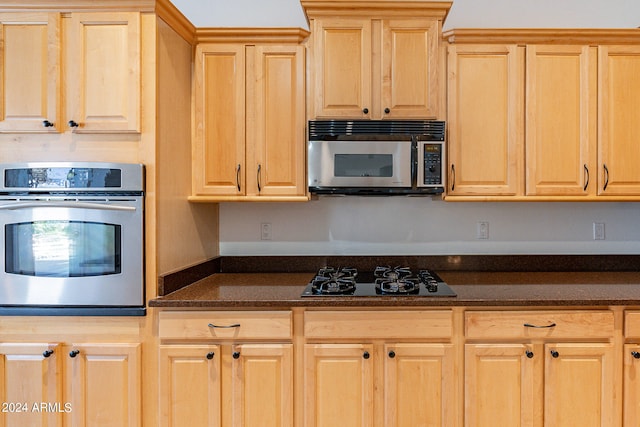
[{"x": 66, "y": 204}]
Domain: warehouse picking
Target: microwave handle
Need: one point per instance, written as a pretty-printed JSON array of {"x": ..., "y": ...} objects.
[{"x": 66, "y": 204}]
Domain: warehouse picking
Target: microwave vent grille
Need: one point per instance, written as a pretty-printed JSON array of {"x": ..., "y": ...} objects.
[{"x": 435, "y": 129}]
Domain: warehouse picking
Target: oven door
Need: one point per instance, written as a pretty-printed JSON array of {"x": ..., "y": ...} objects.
[
  {"x": 359, "y": 164},
  {"x": 82, "y": 252}
]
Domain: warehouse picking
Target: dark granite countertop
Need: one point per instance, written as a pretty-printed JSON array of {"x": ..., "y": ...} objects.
[{"x": 473, "y": 288}]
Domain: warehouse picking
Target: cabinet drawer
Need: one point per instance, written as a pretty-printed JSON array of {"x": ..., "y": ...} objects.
[
  {"x": 377, "y": 324},
  {"x": 632, "y": 324},
  {"x": 225, "y": 325},
  {"x": 539, "y": 324}
]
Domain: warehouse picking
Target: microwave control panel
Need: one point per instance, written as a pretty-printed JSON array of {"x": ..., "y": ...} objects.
[{"x": 432, "y": 163}]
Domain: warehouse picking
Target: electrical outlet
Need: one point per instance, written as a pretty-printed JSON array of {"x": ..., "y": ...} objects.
[
  {"x": 482, "y": 230},
  {"x": 265, "y": 231},
  {"x": 598, "y": 231}
]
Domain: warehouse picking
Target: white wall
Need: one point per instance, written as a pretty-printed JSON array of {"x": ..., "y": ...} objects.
[
  {"x": 464, "y": 13},
  {"x": 421, "y": 226},
  {"x": 399, "y": 225}
]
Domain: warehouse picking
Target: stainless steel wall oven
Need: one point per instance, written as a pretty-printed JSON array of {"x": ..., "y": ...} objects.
[{"x": 72, "y": 238}]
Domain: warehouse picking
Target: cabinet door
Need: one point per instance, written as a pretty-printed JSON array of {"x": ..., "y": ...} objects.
[
  {"x": 103, "y": 72},
  {"x": 486, "y": 130},
  {"x": 500, "y": 385},
  {"x": 579, "y": 385},
  {"x": 30, "y": 375},
  {"x": 338, "y": 385},
  {"x": 262, "y": 385},
  {"x": 276, "y": 141},
  {"x": 190, "y": 385},
  {"x": 103, "y": 384},
  {"x": 631, "y": 393},
  {"x": 410, "y": 69},
  {"x": 341, "y": 60},
  {"x": 218, "y": 150},
  {"x": 423, "y": 371},
  {"x": 29, "y": 72},
  {"x": 619, "y": 109},
  {"x": 561, "y": 120}
]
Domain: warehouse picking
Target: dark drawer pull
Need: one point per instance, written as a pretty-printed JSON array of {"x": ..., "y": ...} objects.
[
  {"x": 635, "y": 354},
  {"x": 529, "y": 354},
  {"x": 235, "y": 325},
  {"x": 529, "y": 325}
]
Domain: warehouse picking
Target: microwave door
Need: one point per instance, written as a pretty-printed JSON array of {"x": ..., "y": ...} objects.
[{"x": 360, "y": 164}]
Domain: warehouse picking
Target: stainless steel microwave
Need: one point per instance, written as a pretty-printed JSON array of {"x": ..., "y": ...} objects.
[{"x": 376, "y": 157}]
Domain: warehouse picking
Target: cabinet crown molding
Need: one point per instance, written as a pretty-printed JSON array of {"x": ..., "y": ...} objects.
[
  {"x": 588, "y": 36},
  {"x": 251, "y": 35},
  {"x": 377, "y": 8}
]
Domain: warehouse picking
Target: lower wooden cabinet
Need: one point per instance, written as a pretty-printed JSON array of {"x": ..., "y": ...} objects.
[
  {"x": 226, "y": 369},
  {"x": 379, "y": 368},
  {"x": 84, "y": 384},
  {"x": 558, "y": 384},
  {"x": 631, "y": 361},
  {"x": 416, "y": 386},
  {"x": 541, "y": 369}
]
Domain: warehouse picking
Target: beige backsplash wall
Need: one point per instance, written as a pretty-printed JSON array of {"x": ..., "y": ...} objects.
[{"x": 421, "y": 226}]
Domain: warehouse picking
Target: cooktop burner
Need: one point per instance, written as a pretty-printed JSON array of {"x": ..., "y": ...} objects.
[{"x": 383, "y": 281}]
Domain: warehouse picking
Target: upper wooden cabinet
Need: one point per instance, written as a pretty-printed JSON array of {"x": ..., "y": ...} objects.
[
  {"x": 85, "y": 63},
  {"x": 249, "y": 136},
  {"x": 618, "y": 131},
  {"x": 375, "y": 61},
  {"x": 541, "y": 116},
  {"x": 485, "y": 119}
]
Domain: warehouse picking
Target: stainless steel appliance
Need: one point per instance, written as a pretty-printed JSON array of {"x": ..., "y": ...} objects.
[
  {"x": 72, "y": 238},
  {"x": 383, "y": 281},
  {"x": 376, "y": 157}
]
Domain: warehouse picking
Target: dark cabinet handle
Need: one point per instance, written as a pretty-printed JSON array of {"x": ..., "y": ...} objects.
[
  {"x": 47, "y": 353},
  {"x": 236, "y": 355},
  {"x": 635, "y": 354},
  {"x": 606, "y": 177},
  {"x": 529, "y": 354},
  {"x": 47, "y": 124},
  {"x": 554, "y": 354},
  {"x": 258, "y": 177},
  {"x": 74, "y": 353},
  {"x": 366, "y": 355},
  {"x": 234, "y": 325},
  {"x": 73, "y": 124},
  {"x": 238, "y": 177},
  {"x": 453, "y": 177},
  {"x": 365, "y": 110},
  {"x": 586, "y": 171},
  {"x": 210, "y": 355},
  {"x": 392, "y": 354},
  {"x": 529, "y": 325},
  {"x": 387, "y": 110}
]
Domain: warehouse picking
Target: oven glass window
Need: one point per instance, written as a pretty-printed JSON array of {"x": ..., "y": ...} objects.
[
  {"x": 363, "y": 165},
  {"x": 62, "y": 248}
]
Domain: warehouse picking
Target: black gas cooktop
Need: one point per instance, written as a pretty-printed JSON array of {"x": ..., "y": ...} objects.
[{"x": 382, "y": 281}]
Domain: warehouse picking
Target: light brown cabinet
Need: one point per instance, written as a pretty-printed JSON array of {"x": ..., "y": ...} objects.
[
  {"x": 85, "y": 63},
  {"x": 531, "y": 117},
  {"x": 541, "y": 368},
  {"x": 560, "y": 108},
  {"x": 631, "y": 360},
  {"x": 226, "y": 369},
  {"x": 375, "y": 61},
  {"x": 619, "y": 106},
  {"x": 485, "y": 119},
  {"x": 363, "y": 369},
  {"x": 50, "y": 383},
  {"x": 249, "y": 137}
]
